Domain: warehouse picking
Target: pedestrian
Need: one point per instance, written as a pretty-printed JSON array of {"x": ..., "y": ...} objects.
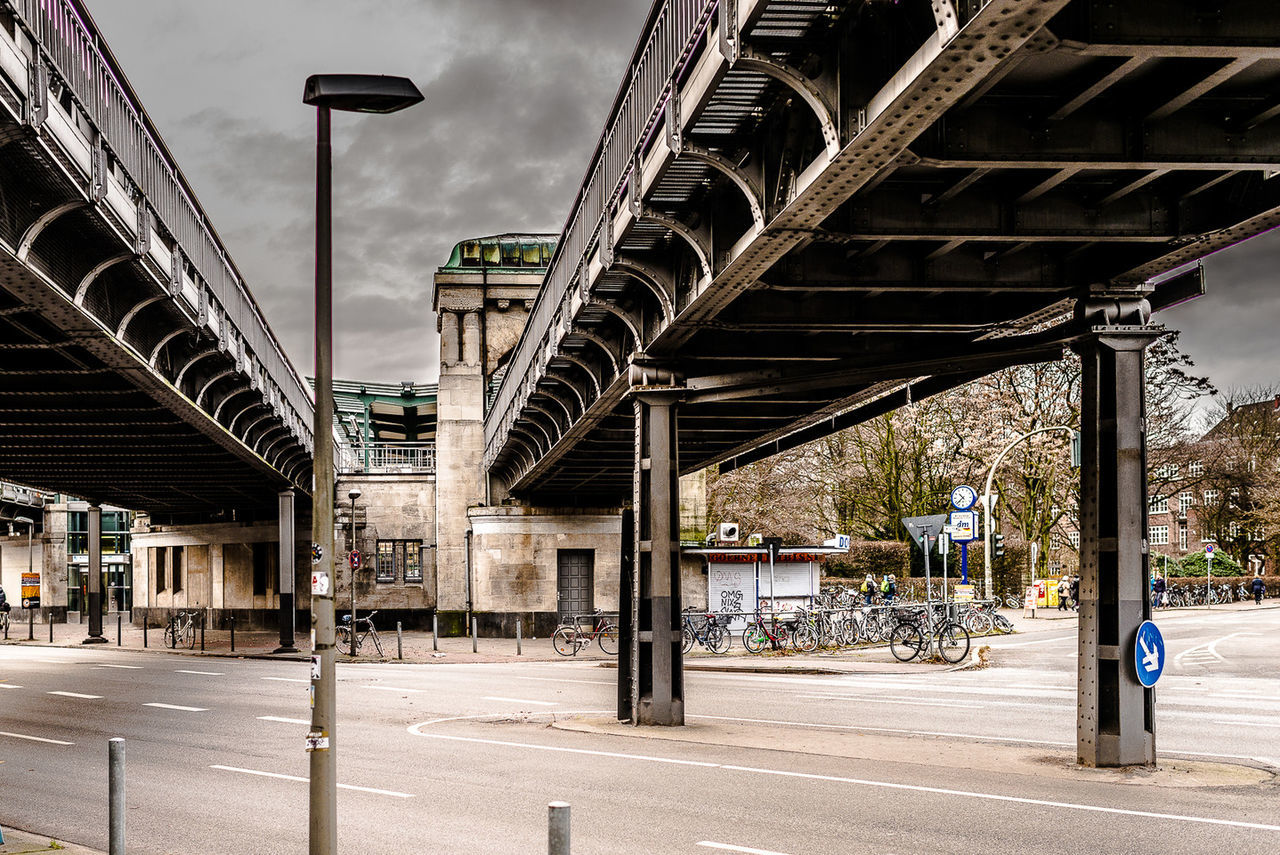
[
  {"x": 1158, "y": 587},
  {"x": 889, "y": 589},
  {"x": 1075, "y": 593},
  {"x": 1064, "y": 594},
  {"x": 869, "y": 588},
  {"x": 1258, "y": 589}
]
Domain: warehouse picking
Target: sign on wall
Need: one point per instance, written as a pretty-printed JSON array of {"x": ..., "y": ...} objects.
[{"x": 732, "y": 586}]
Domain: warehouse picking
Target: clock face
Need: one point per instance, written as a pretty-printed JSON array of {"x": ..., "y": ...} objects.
[{"x": 963, "y": 497}]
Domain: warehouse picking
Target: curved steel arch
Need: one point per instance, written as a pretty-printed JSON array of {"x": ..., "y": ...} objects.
[
  {"x": 231, "y": 425},
  {"x": 266, "y": 452},
  {"x": 168, "y": 337},
  {"x": 568, "y": 410},
  {"x": 236, "y": 393},
  {"x": 604, "y": 348},
  {"x": 89, "y": 278},
  {"x": 524, "y": 438},
  {"x": 659, "y": 285},
  {"x": 41, "y": 223},
  {"x": 133, "y": 313},
  {"x": 699, "y": 247},
  {"x": 750, "y": 60},
  {"x": 261, "y": 441},
  {"x": 577, "y": 393},
  {"x": 218, "y": 375},
  {"x": 288, "y": 457},
  {"x": 248, "y": 431},
  {"x": 595, "y": 381},
  {"x": 730, "y": 170},
  {"x": 559, "y": 429},
  {"x": 200, "y": 356},
  {"x": 528, "y": 419},
  {"x": 624, "y": 316}
]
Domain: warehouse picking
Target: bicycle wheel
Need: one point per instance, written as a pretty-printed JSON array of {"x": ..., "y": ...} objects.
[
  {"x": 804, "y": 638},
  {"x": 1002, "y": 624},
  {"x": 905, "y": 642},
  {"x": 191, "y": 635},
  {"x": 978, "y": 623},
  {"x": 718, "y": 639},
  {"x": 377, "y": 643},
  {"x": 565, "y": 641},
  {"x": 171, "y": 636},
  {"x": 953, "y": 642},
  {"x": 608, "y": 640},
  {"x": 686, "y": 640},
  {"x": 754, "y": 638},
  {"x": 344, "y": 639}
]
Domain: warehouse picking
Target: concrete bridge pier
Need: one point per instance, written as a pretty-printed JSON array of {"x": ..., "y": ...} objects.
[
  {"x": 287, "y": 551},
  {"x": 1116, "y": 715},
  {"x": 94, "y": 569},
  {"x": 655, "y": 669}
]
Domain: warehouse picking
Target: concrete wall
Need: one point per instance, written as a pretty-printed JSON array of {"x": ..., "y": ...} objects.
[
  {"x": 13, "y": 563},
  {"x": 514, "y": 562},
  {"x": 390, "y": 507}
]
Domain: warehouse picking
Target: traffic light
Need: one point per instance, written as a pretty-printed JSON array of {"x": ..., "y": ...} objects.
[{"x": 999, "y": 544}]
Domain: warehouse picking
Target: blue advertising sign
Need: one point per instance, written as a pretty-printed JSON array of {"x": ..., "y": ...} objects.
[{"x": 1148, "y": 654}]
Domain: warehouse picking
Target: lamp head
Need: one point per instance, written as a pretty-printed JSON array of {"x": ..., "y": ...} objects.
[
  {"x": 353, "y": 493},
  {"x": 360, "y": 93}
]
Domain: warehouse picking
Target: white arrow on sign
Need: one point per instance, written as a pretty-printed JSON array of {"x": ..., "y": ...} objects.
[{"x": 1150, "y": 658}]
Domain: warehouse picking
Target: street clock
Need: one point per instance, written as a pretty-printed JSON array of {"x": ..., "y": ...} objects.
[{"x": 963, "y": 497}]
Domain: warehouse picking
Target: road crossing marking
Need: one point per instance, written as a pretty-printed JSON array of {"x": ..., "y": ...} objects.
[
  {"x": 522, "y": 701},
  {"x": 905, "y": 702},
  {"x": 205, "y": 673},
  {"x": 176, "y": 707},
  {"x": 862, "y": 782},
  {"x": 1249, "y": 723},
  {"x": 392, "y": 689},
  {"x": 284, "y": 720},
  {"x": 729, "y": 847},
  {"x": 281, "y": 777},
  {"x": 130, "y": 667},
  {"x": 34, "y": 738},
  {"x": 76, "y": 695},
  {"x": 287, "y": 679}
]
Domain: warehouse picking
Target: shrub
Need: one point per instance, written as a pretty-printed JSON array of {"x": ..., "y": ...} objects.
[
  {"x": 1195, "y": 564},
  {"x": 876, "y": 557}
]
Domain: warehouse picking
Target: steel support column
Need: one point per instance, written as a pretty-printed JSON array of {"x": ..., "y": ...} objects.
[
  {"x": 288, "y": 549},
  {"x": 1116, "y": 715},
  {"x": 657, "y": 678},
  {"x": 94, "y": 570}
]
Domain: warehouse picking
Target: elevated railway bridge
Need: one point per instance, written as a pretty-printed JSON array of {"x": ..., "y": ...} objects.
[{"x": 800, "y": 215}]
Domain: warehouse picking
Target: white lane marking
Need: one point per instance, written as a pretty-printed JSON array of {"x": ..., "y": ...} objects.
[
  {"x": 729, "y": 847},
  {"x": 497, "y": 716},
  {"x": 864, "y": 782},
  {"x": 130, "y": 667},
  {"x": 1249, "y": 723},
  {"x": 284, "y": 720},
  {"x": 9, "y": 686},
  {"x": 287, "y": 679},
  {"x": 54, "y": 661},
  {"x": 176, "y": 707},
  {"x": 854, "y": 728},
  {"x": 584, "y": 682},
  {"x": 35, "y": 738},
  {"x": 76, "y": 695},
  {"x": 305, "y": 780},
  {"x": 204, "y": 673},
  {"x": 388, "y": 688},
  {"x": 908, "y": 702},
  {"x": 522, "y": 701}
]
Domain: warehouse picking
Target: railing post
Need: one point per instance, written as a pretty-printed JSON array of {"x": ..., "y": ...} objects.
[{"x": 558, "y": 828}]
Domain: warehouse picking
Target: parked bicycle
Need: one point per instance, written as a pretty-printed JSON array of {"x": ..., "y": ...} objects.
[
  {"x": 352, "y": 637},
  {"x": 920, "y": 630},
  {"x": 569, "y": 638},
  {"x": 181, "y": 630},
  {"x": 707, "y": 632}
]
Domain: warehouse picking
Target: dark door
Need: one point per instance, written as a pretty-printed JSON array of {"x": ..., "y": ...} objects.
[{"x": 575, "y": 570}]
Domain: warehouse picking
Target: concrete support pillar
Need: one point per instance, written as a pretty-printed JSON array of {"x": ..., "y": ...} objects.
[
  {"x": 656, "y": 667},
  {"x": 471, "y": 339},
  {"x": 288, "y": 549},
  {"x": 450, "y": 341},
  {"x": 95, "y": 577},
  {"x": 1116, "y": 715}
]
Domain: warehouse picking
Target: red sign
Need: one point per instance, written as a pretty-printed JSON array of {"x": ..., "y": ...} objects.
[{"x": 354, "y": 559}]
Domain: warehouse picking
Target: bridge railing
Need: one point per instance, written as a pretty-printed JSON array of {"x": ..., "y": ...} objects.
[
  {"x": 673, "y": 30},
  {"x": 376, "y": 457},
  {"x": 68, "y": 41}
]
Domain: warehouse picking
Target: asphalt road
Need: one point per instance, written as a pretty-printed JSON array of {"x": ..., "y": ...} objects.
[{"x": 464, "y": 758}]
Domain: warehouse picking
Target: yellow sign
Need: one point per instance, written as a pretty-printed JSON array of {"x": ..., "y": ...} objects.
[
  {"x": 30, "y": 590},
  {"x": 964, "y": 593}
]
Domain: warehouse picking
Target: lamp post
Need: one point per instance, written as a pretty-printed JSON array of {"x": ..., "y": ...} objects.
[
  {"x": 359, "y": 93},
  {"x": 353, "y": 494},
  {"x": 31, "y": 525}
]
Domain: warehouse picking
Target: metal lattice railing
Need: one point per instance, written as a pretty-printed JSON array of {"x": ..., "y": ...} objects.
[
  {"x": 674, "y": 29},
  {"x": 77, "y": 56},
  {"x": 388, "y": 457}
]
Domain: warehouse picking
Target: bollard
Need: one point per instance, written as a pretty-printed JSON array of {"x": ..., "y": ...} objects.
[
  {"x": 233, "y": 633},
  {"x": 399, "y": 642},
  {"x": 146, "y": 622},
  {"x": 115, "y": 776},
  {"x": 473, "y": 635},
  {"x": 518, "y": 634},
  {"x": 119, "y": 629},
  {"x": 558, "y": 828},
  {"x": 435, "y": 632},
  {"x": 204, "y": 618},
  {"x": 51, "y": 629},
  {"x": 31, "y": 624}
]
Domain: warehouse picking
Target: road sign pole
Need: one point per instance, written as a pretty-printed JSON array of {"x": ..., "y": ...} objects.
[
  {"x": 964, "y": 563},
  {"x": 1208, "y": 576}
]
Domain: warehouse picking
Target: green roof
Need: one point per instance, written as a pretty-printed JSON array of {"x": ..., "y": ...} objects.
[{"x": 508, "y": 253}]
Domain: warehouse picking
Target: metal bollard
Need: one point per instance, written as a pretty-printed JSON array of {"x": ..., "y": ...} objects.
[
  {"x": 518, "y": 638},
  {"x": 473, "y": 635},
  {"x": 31, "y": 624},
  {"x": 51, "y": 629},
  {"x": 146, "y": 622},
  {"x": 115, "y": 821},
  {"x": 204, "y": 618},
  {"x": 119, "y": 629},
  {"x": 233, "y": 633},
  {"x": 558, "y": 828},
  {"x": 435, "y": 632},
  {"x": 399, "y": 641}
]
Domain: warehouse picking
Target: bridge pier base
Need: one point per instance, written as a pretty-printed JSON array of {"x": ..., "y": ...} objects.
[
  {"x": 1116, "y": 715},
  {"x": 651, "y": 682}
]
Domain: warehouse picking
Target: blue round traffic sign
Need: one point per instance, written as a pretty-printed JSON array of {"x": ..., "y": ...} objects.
[{"x": 1148, "y": 653}]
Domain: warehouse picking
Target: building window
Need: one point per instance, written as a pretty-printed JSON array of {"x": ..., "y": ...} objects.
[
  {"x": 1233, "y": 529},
  {"x": 1182, "y": 538},
  {"x": 1184, "y": 502},
  {"x": 1158, "y": 535},
  {"x": 264, "y": 563},
  {"x": 1211, "y": 497},
  {"x": 386, "y": 561},
  {"x": 177, "y": 569},
  {"x": 1196, "y": 469},
  {"x": 412, "y": 562},
  {"x": 162, "y": 555},
  {"x": 1159, "y": 504},
  {"x": 1073, "y": 537}
]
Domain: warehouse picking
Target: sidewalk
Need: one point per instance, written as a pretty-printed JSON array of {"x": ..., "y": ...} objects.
[{"x": 22, "y": 843}]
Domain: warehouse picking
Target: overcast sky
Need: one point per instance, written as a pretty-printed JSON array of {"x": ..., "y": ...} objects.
[{"x": 516, "y": 94}]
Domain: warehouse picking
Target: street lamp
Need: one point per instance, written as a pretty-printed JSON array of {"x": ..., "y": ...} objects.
[
  {"x": 358, "y": 93},
  {"x": 353, "y": 494}
]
